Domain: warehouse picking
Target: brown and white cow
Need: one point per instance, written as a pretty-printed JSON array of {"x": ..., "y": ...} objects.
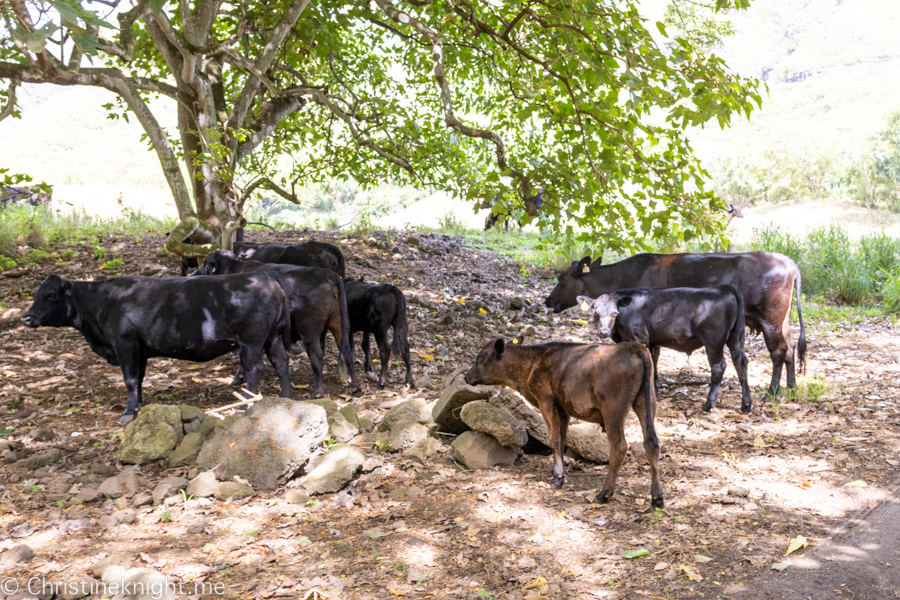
[{"x": 766, "y": 280}]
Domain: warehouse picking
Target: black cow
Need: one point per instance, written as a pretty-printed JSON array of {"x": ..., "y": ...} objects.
[
  {"x": 305, "y": 254},
  {"x": 318, "y": 304},
  {"x": 683, "y": 319},
  {"x": 766, "y": 281},
  {"x": 127, "y": 320},
  {"x": 375, "y": 309}
]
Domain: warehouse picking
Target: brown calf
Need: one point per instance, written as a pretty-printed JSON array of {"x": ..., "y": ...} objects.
[{"x": 587, "y": 381}]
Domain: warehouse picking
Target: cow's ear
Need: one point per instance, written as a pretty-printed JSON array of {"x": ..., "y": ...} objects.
[
  {"x": 499, "y": 347},
  {"x": 623, "y": 302},
  {"x": 584, "y": 265},
  {"x": 519, "y": 339},
  {"x": 585, "y": 302},
  {"x": 599, "y": 261}
]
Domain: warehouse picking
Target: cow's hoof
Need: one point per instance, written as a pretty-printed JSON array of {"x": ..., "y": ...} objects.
[
  {"x": 601, "y": 499},
  {"x": 356, "y": 393},
  {"x": 237, "y": 381},
  {"x": 707, "y": 407},
  {"x": 380, "y": 385},
  {"x": 658, "y": 502},
  {"x": 746, "y": 409},
  {"x": 126, "y": 419},
  {"x": 558, "y": 482}
]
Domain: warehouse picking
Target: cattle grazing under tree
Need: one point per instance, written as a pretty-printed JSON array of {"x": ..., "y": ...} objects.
[
  {"x": 683, "y": 319},
  {"x": 127, "y": 320},
  {"x": 765, "y": 280},
  {"x": 306, "y": 254},
  {"x": 594, "y": 383},
  {"x": 373, "y": 310},
  {"x": 318, "y": 304}
]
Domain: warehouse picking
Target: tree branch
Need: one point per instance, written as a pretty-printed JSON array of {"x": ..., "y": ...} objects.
[{"x": 10, "y": 100}]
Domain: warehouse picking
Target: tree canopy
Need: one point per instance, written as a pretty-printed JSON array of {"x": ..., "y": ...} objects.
[{"x": 492, "y": 100}]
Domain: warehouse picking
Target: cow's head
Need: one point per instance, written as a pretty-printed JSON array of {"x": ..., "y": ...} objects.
[
  {"x": 494, "y": 364},
  {"x": 604, "y": 309},
  {"x": 571, "y": 285},
  {"x": 52, "y": 304},
  {"x": 220, "y": 262}
]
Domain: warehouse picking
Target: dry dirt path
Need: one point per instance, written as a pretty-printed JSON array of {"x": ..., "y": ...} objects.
[{"x": 738, "y": 487}]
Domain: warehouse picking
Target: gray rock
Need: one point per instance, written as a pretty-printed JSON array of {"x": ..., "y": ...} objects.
[
  {"x": 203, "y": 485},
  {"x": 79, "y": 588},
  {"x": 411, "y": 411},
  {"x": 16, "y": 554},
  {"x": 456, "y": 394},
  {"x": 413, "y": 240},
  {"x": 494, "y": 421},
  {"x": 212, "y": 425},
  {"x": 233, "y": 490},
  {"x": 44, "y": 434},
  {"x": 4, "y": 446},
  {"x": 589, "y": 442},
  {"x": 167, "y": 487},
  {"x": 126, "y": 516},
  {"x": 524, "y": 413},
  {"x": 518, "y": 303},
  {"x": 187, "y": 451},
  {"x": 110, "y": 488},
  {"x": 404, "y": 438},
  {"x": 121, "y": 503},
  {"x": 340, "y": 429},
  {"x": 151, "y": 436},
  {"x": 108, "y": 521},
  {"x": 363, "y": 440},
  {"x": 142, "y": 499},
  {"x": 43, "y": 459},
  {"x": 102, "y": 469},
  {"x": 738, "y": 491},
  {"x": 423, "y": 450},
  {"x": 350, "y": 414},
  {"x": 199, "y": 524},
  {"x": 371, "y": 463},
  {"x": 189, "y": 413},
  {"x": 296, "y": 496},
  {"x": 86, "y": 496},
  {"x": 334, "y": 471},
  {"x": 113, "y": 559},
  {"x": 477, "y": 450},
  {"x": 128, "y": 480},
  {"x": 156, "y": 585},
  {"x": 269, "y": 445},
  {"x": 9, "y": 456},
  {"x": 365, "y": 424},
  {"x": 328, "y": 404}
]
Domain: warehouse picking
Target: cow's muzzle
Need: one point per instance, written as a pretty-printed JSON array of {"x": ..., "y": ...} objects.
[{"x": 31, "y": 321}]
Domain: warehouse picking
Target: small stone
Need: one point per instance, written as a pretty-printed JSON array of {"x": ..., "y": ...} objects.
[
  {"x": 334, "y": 471},
  {"x": 456, "y": 393},
  {"x": 365, "y": 424},
  {"x": 86, "y": 496},
  {"x": 422, "y": 450},
  {"x": 518, "y": 303},
  {"x": 187, "y": 451},
  {"x": 739, "y": 491},
  {"x": 108, "y": 521},
  {"x": 9, "y": 456},
  {"x": 189, "y": 413},
  {"x": 366, "y": 441},
  {"x": 203, "y": 485},
  {"x": 44, "y": 434},
  {"x": 102, "y": 469},
  {"x": 233, "y": 490},
  {"x": 167, "y": 487},
  {"x": 43, "y": 459},
  {"x": 113, "y": 559},
  {"x": 85, "y": 586},
  {"x": 126, "y": 516},
  {"x": 750, "y": 507},
  {"x": 110, "y": 488},
  {"x": 406, "y": 437},
  {"x": 371, "y": 463},
  {"x": 340, "y": 429},
  {"x": 198, "y": 525},
  {"x": 296, "y": 496},
  {"x": 142, "y": 499},
  {"x": 121, "y": 503},
  {"x": 153, "y": 435},
  {"x": 351, "y": 415},
  {"x": 16, "y": 554},
  {"x": 494, "y": 421},
  {"x": 413, "y": 240},
  {"x": 478, "y": 450}
]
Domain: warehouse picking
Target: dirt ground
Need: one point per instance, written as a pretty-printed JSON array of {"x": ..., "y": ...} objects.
[{"x": 438, "y": 531}]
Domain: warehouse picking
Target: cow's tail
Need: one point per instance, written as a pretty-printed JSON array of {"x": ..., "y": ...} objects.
[
  {"x": 801, "y": 343},
  {"x": 649, "y": 399},
  {"x": 285, "y": 320},
  {"x": 400, "y": 343},
  {"x": 739, "y": 330},
  {"x": 345, "y": 362}
]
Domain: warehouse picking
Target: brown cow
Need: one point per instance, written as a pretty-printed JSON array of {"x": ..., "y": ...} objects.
[
  {"x": 765, "y": 279},
  {"x": 587, "y": 381}
]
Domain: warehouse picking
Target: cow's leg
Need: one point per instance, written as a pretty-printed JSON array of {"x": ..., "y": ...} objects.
[
  {"x": 551, "y": 414},
  {"x": 618, "y": 447},
  {"x": 777, "y": 346},
  {"x": 789, "y": 350},
  {"x": 367, "y": 359},
  {"x": 384, "y": 354},
  {"x": 251, "y": 361},
  {"x": 133, "y": 367},
  {"x": 651, "y": 449},
  {"x": 239, "y": 377},
  {"x": 717, "y": 364},
  {"x": 279, "y": 358},
  {"x": 739, "y": 359},
  {"x": 317, "y": 363},
  {"x": 654, "y": 353}
]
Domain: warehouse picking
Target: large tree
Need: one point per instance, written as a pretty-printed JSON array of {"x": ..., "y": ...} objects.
[{"x": 492, "y": 100}]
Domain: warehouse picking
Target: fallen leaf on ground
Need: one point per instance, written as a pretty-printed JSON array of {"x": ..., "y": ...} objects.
[
  {"x": 692, "y": 575},
  {"x": 702, "y": 559},
  {"x": 636, "y": 553},
  {"x": 781, "y": 566},
  {"x": 661, "y": 566},
  {"x": 797, "y": 543},
  {"x": 858, "y": 483}
]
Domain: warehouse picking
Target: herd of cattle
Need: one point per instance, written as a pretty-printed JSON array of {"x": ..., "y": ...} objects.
[{"x": 263, "y": 298}]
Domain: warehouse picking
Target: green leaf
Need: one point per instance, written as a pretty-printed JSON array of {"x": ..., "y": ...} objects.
[
  {"x": 702, "y": 559},
  {"x": 157, "y": 5},
  {"x": 781, "y": 566},
  {"x": 636, "y": 553}
]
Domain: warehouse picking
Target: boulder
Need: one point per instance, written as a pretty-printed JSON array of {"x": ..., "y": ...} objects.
[
  {"x": 589, "y": 442},
  {"x": 334, "y": 471},
  {"x": 404, "y": 438},
  {"x": 494, "y": 421},
  {"x": 233, "y": 490},
  {"x": 203, "y": 485},
  {"x": 113, "y": 559},
  {"x": 187, "y": 451},
  {"x": 423, "y": 450},
  {"x": 350, "y": 414},
  {"x": 456, "y": 394},
  {"x": 328, "y": 404},
  {"x": 268, "y": 445},
  {"x": 477, "y": 450},
  {"x": 411, "y": 411},
  {"x": 151, "y": 436},
  {"x": 532, "y": 420},
  {"x": 340, "y": 429},
  {"x": 43, "y": 459},
  {"x": 16, "y": 554},
  {"x": 212, "y": 425},
  {"x": 167, "y": 487}
]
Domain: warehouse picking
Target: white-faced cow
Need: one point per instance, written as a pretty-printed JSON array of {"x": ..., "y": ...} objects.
[
  {"x": 318, "y": 304},
  {"x": 127, "y": 320},
  {"x": 594, "y": 383},
  {"x": 373, "y": 310},
  {"x": 683, "y": 319},
  {"x": 766, "y": 280}
]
